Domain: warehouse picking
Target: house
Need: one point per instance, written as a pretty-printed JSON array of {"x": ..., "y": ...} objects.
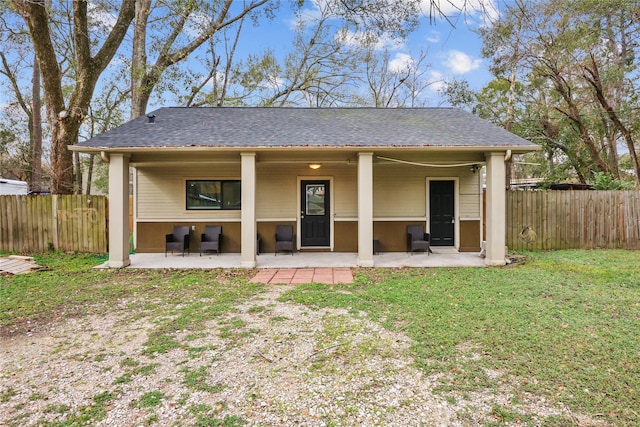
[{"x": 343, "y": 177}]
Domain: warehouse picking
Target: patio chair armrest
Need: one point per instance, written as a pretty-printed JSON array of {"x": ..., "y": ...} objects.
[{"x": 168, "y": 238}]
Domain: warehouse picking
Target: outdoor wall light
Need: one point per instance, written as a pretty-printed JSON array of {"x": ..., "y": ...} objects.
[{"x": 315, "y": 166}]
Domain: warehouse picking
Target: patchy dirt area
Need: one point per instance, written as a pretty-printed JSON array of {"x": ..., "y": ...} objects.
[{"x": 267, "y": 363}]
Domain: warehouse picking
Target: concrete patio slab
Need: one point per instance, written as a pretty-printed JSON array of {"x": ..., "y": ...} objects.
[{"x": 303, "y": 260}]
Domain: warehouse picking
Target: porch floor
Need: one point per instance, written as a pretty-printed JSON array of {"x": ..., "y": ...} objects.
[{"x": 306, "y": 260}]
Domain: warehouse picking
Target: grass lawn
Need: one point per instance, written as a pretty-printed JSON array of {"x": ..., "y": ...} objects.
[{"x": 564, "y": 325}]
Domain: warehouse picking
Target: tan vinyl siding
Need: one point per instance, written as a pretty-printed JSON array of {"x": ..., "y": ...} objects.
[
  {"x": 345, "y": 192},
  {"x": 400, "y": 190},
  {"x": 161, "y": 191},
  {"x": 470, "y": 194},
  {"x": 277, "y": 189}
]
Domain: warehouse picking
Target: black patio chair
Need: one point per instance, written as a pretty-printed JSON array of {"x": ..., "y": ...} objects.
[
  {"x": 284, "y": 238},
  {"x": 210, "y": 239},
  {"x": 178, "y": 240},
  {"x": 417, "y": 239}
]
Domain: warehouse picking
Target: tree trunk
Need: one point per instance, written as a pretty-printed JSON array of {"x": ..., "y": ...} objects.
[
  {"x": 36, "y": 152},
  {"x": 90, "y": 167},
  {"x": 65, "y": 114},
  {"x": 64, "y": 133},
  {"x": 78, "y": 174},
  {"x": 139, "y": 59},
  {"x": 592, "y": 75}
]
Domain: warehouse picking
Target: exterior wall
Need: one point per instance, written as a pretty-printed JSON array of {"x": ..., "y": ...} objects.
[
  {"x": 267, "y": 233},
  {"x": 150, "y": 236},
  {"x": 470, "y": 236},
  {"x": 277, "y": 189},
  {"x": 400, "y": 193},
  {"x": 392, "y": 235},
  {"x": 400, "y": 190},
  {"x": 161, "y": 191},
  {"x": 400, "y": 199}
]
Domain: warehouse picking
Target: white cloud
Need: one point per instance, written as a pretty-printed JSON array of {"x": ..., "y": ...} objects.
[
  {"x": 438, "y": 81},
  {"x": 401, "y": 62},
  {"x": 360, "y": 38},
  {"x": 433, "y": 37},
  {"x": 461, "y": 63},
  {"x": 304, "y": 17}
]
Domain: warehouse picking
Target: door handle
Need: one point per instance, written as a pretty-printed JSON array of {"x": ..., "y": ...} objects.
[{"x": 453, "y": 220}]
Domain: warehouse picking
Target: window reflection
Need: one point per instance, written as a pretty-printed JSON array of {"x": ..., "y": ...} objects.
[
  {"x": 315, "y": 199},
  {"x": 213, "y": 195}
]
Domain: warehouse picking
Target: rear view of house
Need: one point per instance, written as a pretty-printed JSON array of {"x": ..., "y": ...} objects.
[{"x": 345, "y": 179}]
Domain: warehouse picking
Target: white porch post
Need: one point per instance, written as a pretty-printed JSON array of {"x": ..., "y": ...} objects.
[
  {"x": 365, "y": 209},
  {"x": 496, "y": 209},
  {"x": 248, "y": 213},
  {"x": 119, "y": 210}
]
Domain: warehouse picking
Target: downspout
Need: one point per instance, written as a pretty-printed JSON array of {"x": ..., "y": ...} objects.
[
  {"x": 104, "y": 156},
  {"x": 507, "y": 156}
]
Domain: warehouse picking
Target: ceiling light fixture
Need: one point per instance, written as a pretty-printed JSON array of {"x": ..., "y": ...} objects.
[{"x": 315, "y": 166}]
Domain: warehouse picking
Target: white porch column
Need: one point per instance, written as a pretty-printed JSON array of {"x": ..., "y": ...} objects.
[
  {"x": 365, "y": 209},
  {"x": 119, "y": 210},
  {"x": 248, "y": 228},
  {"x": 496, "y": 209}
]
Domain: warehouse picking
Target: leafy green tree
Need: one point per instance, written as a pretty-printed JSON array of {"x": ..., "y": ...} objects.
[{"x": 578, "y": 61}]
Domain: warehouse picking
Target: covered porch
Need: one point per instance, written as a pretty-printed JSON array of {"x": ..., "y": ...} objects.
[{"x": 349, "y": 181}]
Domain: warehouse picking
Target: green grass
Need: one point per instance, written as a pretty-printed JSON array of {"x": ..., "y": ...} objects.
[
  {"x": 72, "y": 287},
  {"x": 149, "y": 400},
  {"x": 564, "y": 325},
  {"x": 196, "y": 379}
]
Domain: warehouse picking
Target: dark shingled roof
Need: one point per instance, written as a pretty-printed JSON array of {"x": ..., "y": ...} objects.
[{"x": 177, "y": 127}]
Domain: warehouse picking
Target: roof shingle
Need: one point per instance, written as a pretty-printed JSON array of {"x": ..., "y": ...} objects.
[{"x": 178, "y": 127}]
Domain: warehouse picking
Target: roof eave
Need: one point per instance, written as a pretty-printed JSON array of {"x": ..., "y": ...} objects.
[{"x": 515, "y": 149}]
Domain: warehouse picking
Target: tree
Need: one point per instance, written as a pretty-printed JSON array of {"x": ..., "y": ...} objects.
[
  {"x": 65, "y": 114},
  {"x": 175, "y": 45},
  {"x": 323, "y": 67},
  {"x": 14, "y": 63},
  {"x": 579, "y": 61}
]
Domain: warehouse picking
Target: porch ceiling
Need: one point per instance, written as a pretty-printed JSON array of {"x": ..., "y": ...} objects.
[{"x": 341, "y": 156}]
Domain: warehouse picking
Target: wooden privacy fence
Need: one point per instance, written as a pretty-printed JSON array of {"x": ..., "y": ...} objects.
[
  {"x": 41, "y": 223},
  {"x": 535, "y": 220},
  {"x": 573, "y": 219}
]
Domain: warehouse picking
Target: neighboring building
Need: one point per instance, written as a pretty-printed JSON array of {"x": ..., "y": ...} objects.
[
  {"x": 12, "y": 186},
  {"x": 342, "y": 177}
]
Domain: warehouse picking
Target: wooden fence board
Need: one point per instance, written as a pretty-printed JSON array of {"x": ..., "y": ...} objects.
[
  {"x": 560, "y": 220},
  {"x": 574, "y": 219},
  {"x": 40, "y": 223}
]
